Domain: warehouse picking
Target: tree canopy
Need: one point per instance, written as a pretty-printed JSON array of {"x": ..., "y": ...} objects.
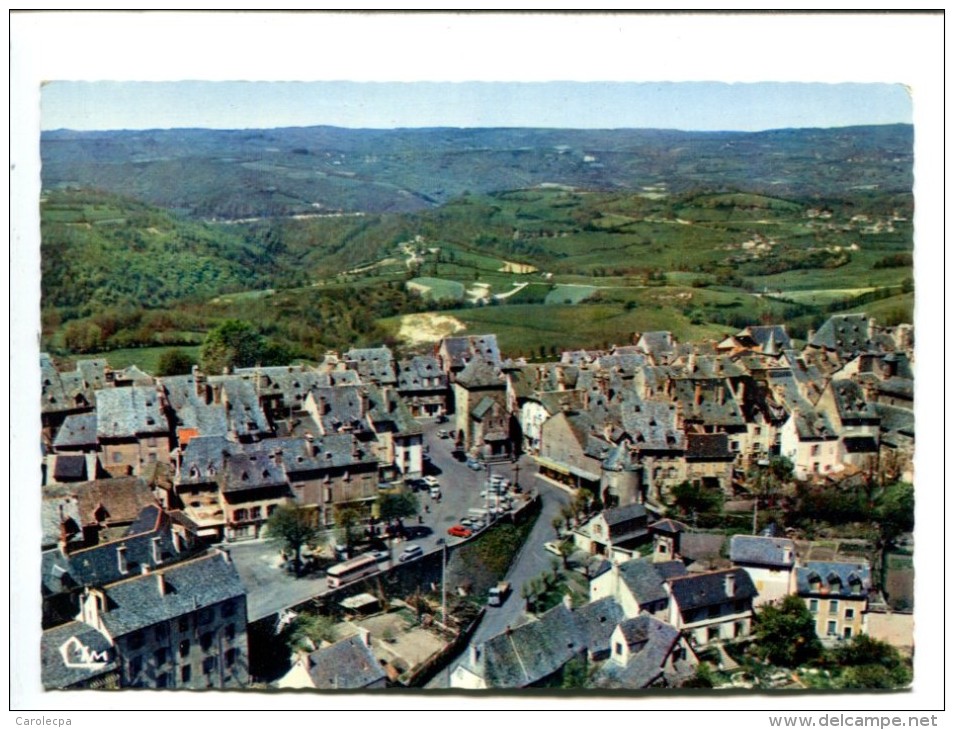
[
  {"x": 233, "y": 344},
  {"x": 786, "y": 633},
  {"x": 871, "y": 664},
  {"x": 397, "y": 506},
  {"x": 293, "y": 527}
]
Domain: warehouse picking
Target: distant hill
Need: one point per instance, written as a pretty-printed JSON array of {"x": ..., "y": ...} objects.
[{"x": 242, "y": 174}]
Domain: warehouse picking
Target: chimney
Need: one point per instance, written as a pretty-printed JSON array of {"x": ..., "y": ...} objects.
[
  {"x": 740, "y": 392},
  {"x": 786, "y": 555},
  {"x": 226, "y": 555},
  {"x": 568, "y": 601},
  {"x": 161, "y": 583},
  {"x": 697, "y": 395},
  {"x": 121, "y": 559},
  {"x": 156, "y": 550},
  {"x": 217, "y": 393},
  {"x": 475, "y": 652},
  {"x": 721, "y": 392},
  {"x": 365, "y": 636},
  {"x": 811, "y": 335},
  {"x": 730, "y": 584}
]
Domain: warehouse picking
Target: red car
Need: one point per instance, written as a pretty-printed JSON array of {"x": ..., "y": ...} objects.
[{"x": 459, "y": 531}]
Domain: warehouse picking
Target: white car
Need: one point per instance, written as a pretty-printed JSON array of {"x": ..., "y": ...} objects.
[
  {"x": 431, "y": 482},
  {"x": 553, "y": 547},
  {"x": 411, "y": 552}
]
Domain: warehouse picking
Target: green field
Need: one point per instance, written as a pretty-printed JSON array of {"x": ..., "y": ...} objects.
[
  {"x": 438, "y": 289},
  {"x": 569, "y": 294},
  {"x": 145, "y": 358}
]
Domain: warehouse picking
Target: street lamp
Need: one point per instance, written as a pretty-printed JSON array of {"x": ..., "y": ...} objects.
[{"x": 443, "y": 544}]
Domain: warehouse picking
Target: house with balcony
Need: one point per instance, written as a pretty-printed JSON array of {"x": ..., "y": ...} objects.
[{"x": 712, "y": 607}]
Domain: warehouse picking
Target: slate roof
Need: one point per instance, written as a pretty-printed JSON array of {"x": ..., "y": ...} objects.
[
  {"x": 130, "y": 412},
  {"x": 646, "y": 666},
  {"x": 480, "y": 374},
  {"x": 252, "y": 469},
  {"x": 70, "y": 468},
  {"x": 482, "y": 408},
  {"x": 717, "y": 405},
  {"x": 847, "y": 334},
  {"x": 651, "y": 425},
  {"x": 290, "y": 383},
  {"x": 57, "y": 648},
  {"x": 78, "y": 431},
  {"x": 389, "y": 412},
  {"x": 833, "y": 579},
  {"x": 531, "y": 652},
  {"x": 696, "y": 546},
  {"x": 772, "y": 334},
  {"x": 136, "y": 603},
  {"x": 374, "y": 364},
  {"x": 643, "y": 581},
  {"x": 619, "y": 515},
  {"x": 99, "y": 565},
  {"x": 461, "y": 350},
  {"x": 903, "y": 387},
  {"x": 657, "y": 344},
  {"x": 894, "y": 418},
  {"x": 670, "y": 569},
  {"x": 762, "y": 551},
  {"x": 59, "y": 507},
  {"x": 192, "y": 409},
  {"x": 68, "y": 390},
  {"x": 55, "y": 575},
  {"x": 342, "y": 406},
  {"x": 701, "y": 590},
  {"x": 850, "y": 401},
  {"x": 243, "y": 412},
  {"x": 346, "y": 664},
  {"x": 421, "y": 369},
  {"x": 596, "y": 621},
  {"x": 708, "y": 446}
]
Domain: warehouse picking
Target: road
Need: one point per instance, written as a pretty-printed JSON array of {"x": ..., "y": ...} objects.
[
  {"x": 531, "y": 561},
  {"x": 271, "y": 589}
]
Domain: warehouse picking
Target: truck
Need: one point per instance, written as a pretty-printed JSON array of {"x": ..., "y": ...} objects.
[{"x": 498, "y": 594}]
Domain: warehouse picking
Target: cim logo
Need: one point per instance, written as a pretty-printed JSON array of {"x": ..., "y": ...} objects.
[{"x": 77, "y": 655}]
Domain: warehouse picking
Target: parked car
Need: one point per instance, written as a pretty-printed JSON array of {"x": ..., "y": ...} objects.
[
  {"x": 475, "y": 465},
  {"x": 442, "y": 434},
  {"x": 459, "y": 531},
  {"x": 380, "y": 555},
  {"x": 411, "y": 552},
  {"x": 553, "y": 547},
  {"x": 431, "y": 482}
]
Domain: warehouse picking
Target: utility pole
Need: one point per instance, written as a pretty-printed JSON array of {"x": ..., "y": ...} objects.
[{"x": 444, "y": 583}]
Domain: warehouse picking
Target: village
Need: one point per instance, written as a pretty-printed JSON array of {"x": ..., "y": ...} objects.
[{"x": 641, "y": 517}]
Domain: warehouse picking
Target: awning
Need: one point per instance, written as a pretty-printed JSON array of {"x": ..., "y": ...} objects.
[{"x": 565, "y": 469}]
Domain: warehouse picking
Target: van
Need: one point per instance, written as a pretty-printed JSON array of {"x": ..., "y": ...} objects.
[
  {"x": 436, "y": 492},
  {"x": 411, "y": 552}
]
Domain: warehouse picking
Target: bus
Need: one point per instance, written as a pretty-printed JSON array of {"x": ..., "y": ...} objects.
[{"x": 351, "y": 570}]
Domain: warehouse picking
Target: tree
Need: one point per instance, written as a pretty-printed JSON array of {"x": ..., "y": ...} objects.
[
  {"x": 292, "y": 525},
  {"x": 233, "y": 344},
  {"x": 895, "y": 511},
  {"x": 175, "y": 362},
  {"x": 347, "y": 519},
  {"x": 871, "y": 664},
  {"x": 308, "y": 630},
  {"x": 695, "y": 499},
  {"x": 786, "y": 633},
  {"x": 397, "y": 506},
  {"x": 574, "y": 674}
]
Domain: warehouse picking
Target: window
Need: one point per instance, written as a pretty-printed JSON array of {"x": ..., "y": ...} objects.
[
  {"x": 833, "y": 607},
  {"x": 151, "y": 457},
  {"x": 813, "y": 605},
  {"x": 184, "y": 648},
  {"x": 230, "y": 632},
  {"x": 162, "y": 632},
  {"x": 135, "y": 666},
  {"x": 183, "y": 623},
  {"x": 162, "y": 680},
  {"x": 186, "y": 674},
  {"x": 206, "y": 641},
  {"x": 847, "y": 632},
  {"x": 228, "y": 608},
  {"x": 849, "y": 614},
  {"x": 832, "y": 628},
  {"x": 619, "y": 649},
  {"x": 160, "y": 656},
  {"x": 271, "y": 509},
  {"x": 255, "y": 513},
  {"x": 206, "y": 615},
  {"x": 208, "y": 665},
  {"x": 230, "y": 657},
  {"x": 816, "y": 449},
  {"x": 117, "y": 457},
  {"x": 240, "y": 515},
  {"x": 712, "y": 633},
  {"x": 663, "y": 548}
]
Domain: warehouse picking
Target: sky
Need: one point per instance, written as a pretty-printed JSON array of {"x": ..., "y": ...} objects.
[{"x": 686, "y": 105}]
